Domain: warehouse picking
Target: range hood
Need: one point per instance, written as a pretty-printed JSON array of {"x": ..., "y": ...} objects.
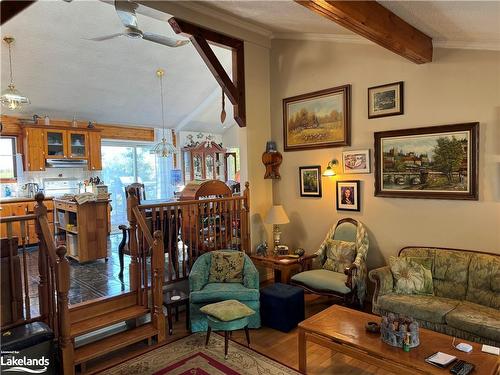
[{"x": 66, "y": 163}]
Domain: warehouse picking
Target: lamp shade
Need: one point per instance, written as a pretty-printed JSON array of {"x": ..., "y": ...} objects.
[{"x": 277, "y": 215}]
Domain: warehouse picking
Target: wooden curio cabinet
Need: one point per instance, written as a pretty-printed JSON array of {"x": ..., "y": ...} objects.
[{"x": 205, "y": 161}]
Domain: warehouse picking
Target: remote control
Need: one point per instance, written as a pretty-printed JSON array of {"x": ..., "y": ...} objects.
[{"x": 462, "y": 368}]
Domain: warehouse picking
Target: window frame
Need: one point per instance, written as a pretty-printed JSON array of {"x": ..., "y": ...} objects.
[{"x": 13, "y": 139}]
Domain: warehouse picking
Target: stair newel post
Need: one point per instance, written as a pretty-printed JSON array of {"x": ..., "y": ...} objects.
[
  {"x": 134, "y": 276},
  {"x": 245, "y": 220},
  {"x": 43, "y": 267},
  {"x": 158, "y": 266},
  {"x": 62, "y": 286}
]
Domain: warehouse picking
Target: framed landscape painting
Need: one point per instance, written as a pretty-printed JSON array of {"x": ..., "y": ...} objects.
[
  {"x": 310, "y": 181},
  {"x": 386, "y": 100},
  {"x": 439, "y": 162},
  {"x": 317, "y": 119},
  {"x": 348, "y": 196},
  {"x": 356, "y": 161}
]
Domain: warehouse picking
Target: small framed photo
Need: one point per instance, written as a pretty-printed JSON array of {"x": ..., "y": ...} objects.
[
  {"x": 348, "y": 197},
  {"x": 310, "y": 181},
  {"x": 356, "y": 161},
  {"x": 386, "y": 100}
]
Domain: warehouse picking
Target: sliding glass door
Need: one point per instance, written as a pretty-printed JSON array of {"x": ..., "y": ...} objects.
[{"x": 124, "y": 164}]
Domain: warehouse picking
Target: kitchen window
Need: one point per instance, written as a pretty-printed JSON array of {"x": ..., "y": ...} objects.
[
  {"x": 126, "y": 163},
  {"x": 7, "y": 158}
]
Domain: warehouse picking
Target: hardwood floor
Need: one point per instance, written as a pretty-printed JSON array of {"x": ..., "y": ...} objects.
[{"x": 277, "y": 345}]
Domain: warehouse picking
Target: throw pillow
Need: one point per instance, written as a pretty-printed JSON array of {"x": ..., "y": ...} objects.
[
  {"x": 411, "y": 277},
  {"x": 339, "y": 255},
  {"x": 427, "y": 263},
  {"x": 226, "y": 267},
  {"x": 227, "y": 310}
]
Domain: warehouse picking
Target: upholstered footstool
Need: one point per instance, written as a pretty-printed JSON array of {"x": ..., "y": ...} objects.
[
  {"x": 227, "y": 316},
  {"x": 282, "y": 306}
]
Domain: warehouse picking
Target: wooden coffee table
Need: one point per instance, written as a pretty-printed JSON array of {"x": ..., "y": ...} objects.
[{"x": 343, "y": 330}]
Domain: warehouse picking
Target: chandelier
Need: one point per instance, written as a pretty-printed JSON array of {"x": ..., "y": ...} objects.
[
  {"x": 163, "y": 148},
  {"x": 11, "y": 98}
]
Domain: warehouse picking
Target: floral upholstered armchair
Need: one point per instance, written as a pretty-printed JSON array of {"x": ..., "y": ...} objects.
[
  {"x": 340, "y": 264},
  {"x": 205, "y": 290}
]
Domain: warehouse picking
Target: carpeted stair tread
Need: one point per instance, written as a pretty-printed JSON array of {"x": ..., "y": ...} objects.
[
  {"x": 114, "y": 342},
  {"x": 105, "y": 320}
]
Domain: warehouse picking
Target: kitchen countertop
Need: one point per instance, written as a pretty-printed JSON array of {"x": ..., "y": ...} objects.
[{"x": 21, "y": 199}]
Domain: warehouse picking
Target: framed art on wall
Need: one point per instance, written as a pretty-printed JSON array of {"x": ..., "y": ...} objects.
[
  {"x": 386, "y": 100},
  {"x": 356, "y": 161},
  {"x": 438, "y": 162},
  {"x": 310, "y": 181},
  {"x": 348, "y": 196},
  {"x": 317, "y": 119}
]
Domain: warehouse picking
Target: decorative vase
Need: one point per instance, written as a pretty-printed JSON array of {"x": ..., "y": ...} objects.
[{"x": 272, "y": 159}]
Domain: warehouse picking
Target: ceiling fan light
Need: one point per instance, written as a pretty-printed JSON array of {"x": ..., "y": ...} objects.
[{"x": 12, "y": 99}]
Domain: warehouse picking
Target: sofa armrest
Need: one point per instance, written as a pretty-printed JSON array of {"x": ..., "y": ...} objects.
[
  {"x": 384, "y": 284},
  {"x": 250, "y": 275},
  {"x": 350, "y": 272},
  {"x": 197, "y": 280}
]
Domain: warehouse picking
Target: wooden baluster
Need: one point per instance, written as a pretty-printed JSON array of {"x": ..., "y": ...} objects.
[
  {"x": 246, "y": 219},
  {"x": 221, "y": 224},
  {"x": 175, "y": 242},
  {"x": 146, "y": 251},
  {"x": 134, "y": 270},
  {"x": 157, "y": 268},
  {"x": 231, "y": 221},
  {"x": 43, "y": 264},
  {"x": 66, "y": 345},
  {"x": 190, "y": 236},
  {"x": 184, "y": 248},
  {"x": 27, "y": 304},
  {"x": 12, "y": 253},
  {"x": 169, "y": 246}
]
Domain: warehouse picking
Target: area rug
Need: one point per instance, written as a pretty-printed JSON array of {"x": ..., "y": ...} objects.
[{"x": 188, "y": 356}]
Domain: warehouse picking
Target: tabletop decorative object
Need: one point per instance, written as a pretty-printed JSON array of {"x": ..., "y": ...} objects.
[{"x": 396, "y": 330}]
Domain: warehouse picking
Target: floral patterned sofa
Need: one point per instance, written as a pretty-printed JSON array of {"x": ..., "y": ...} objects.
[{"x": 466, "y": 300}]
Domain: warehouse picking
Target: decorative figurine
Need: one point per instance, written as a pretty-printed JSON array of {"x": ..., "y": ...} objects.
[
  {"x": 300, "y": 252},
  {"x": 262, "y": 249}
]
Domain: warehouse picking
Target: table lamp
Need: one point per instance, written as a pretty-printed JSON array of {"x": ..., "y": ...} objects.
[{"x": 276, "y": 216}]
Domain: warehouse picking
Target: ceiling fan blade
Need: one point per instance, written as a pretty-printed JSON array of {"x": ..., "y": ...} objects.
[
  {"x": 126, "y": 12},
  {"x": 164, "y": 40},
  {"x": 106, "y": 37}
]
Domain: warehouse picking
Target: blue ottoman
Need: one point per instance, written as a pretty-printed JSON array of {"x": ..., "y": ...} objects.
[{"x": 282, "y": 306}]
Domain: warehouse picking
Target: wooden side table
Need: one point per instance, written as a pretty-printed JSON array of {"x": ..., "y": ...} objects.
[
  {"x": 283, "y": 266},
  {"x": 170, "y": 303}
]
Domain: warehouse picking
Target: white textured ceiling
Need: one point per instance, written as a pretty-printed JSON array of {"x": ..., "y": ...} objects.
[
  {"x": 461, "y": 24},
  {"x": 112, "y": 81}
]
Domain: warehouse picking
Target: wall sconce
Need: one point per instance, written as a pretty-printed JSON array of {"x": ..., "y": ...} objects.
[{"x": 329, "y": 172}]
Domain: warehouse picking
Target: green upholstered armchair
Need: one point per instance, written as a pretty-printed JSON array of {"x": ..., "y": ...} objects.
[
  {"x": 203, "y": 293},
  {"x": 349, "y": 285}
]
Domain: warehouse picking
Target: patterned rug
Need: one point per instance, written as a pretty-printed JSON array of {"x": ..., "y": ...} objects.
[{"x": 188, "y": 356}]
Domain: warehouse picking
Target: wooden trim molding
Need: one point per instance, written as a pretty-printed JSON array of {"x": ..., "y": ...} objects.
[
  {"x": 378, "y": 24},
  {"x": 235, "y": 88},
  {"x": 11, "y": 125}
]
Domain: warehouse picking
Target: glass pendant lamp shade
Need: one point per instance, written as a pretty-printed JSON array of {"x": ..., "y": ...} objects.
[
  {"x": 11, "y": 98},
  {"x": 163, "y": 148}
]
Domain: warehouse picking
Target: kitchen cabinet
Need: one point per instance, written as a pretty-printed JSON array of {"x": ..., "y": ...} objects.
[
  {"x": 34, "y": 149},
  {"x": 24, "y": 207},
  {"x": 42, "y": 143},
  {"x": 95, "y": 159},
  {"x": 205, "y": 161}
]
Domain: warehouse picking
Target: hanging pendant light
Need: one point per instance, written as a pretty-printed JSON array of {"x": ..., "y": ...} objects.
[
  {"x": 11, "y": 98},
  {"x": 163, "y": 148}
]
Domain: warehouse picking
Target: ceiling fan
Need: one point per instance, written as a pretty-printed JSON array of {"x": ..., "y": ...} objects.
[{"x": 126, "y": 12}]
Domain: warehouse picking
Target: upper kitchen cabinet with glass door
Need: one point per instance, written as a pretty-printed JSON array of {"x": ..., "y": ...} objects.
[
  {"x": 77, "y": 144},
  {"x": 56, "y": 144}
]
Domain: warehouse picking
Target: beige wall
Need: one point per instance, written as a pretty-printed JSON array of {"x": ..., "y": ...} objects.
[{"x": 459, "y": 86}]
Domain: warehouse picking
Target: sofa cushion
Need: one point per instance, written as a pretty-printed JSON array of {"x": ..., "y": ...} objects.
[
  {"x": 226, "y": 267},
  {"x": 451, "y": 273},
  {"x": 411, "y": 277},
  {"x": 484, "y": 280},
  {"x": 476, "y": 319},
  {"x": 428, "y": 308},
  {"x": 323, "y": 280},
  {"x": 339, "y": 255},
  {"x": 215, "y": 292}
]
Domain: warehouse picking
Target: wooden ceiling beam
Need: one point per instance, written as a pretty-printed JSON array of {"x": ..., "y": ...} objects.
[
  {"x": 9, "y": 8},
  {"x": 378, "y": 24},
  {"x": 200, "y": 38}
]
